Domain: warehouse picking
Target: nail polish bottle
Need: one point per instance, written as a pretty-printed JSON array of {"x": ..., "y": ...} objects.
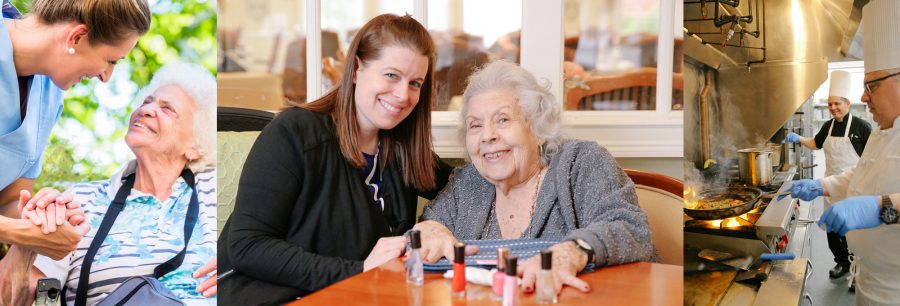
[
  {"x": 546, "y": 291},
  {"x": 510, "y": 285},
  {"x": 414, "y": 269},
  {"x": 498, "y": 276},
  {"x": 458, "y": 286}
]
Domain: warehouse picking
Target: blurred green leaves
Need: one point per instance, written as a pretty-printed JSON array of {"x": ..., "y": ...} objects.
[{"x": 87, "y": 142}]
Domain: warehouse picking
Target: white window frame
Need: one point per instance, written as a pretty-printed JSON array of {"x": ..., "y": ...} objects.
[{"x": 626, "y": 134}]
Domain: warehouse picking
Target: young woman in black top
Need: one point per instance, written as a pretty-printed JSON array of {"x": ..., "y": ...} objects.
[{"x": 330, "y": 186}]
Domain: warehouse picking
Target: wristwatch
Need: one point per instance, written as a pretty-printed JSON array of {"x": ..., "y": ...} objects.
[
  {"x": 584, "y": 246},
  {"x": 888, "y": 212}
]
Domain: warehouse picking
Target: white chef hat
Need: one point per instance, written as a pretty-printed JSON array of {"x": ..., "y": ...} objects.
[
  {"x": 840, "y": 84},
  {"x": 881, "y": 35}
]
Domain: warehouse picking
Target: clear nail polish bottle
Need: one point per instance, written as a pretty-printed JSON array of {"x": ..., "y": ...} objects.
[
  {"x": 414, "y": 268},
  {"x": 546, "y": 290}
]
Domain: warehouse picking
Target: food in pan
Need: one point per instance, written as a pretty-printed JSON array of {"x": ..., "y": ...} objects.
[{"x": 717, "y": 204}]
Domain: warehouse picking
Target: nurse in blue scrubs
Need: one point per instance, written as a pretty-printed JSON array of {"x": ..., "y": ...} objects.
[{"x": 43, "y": 53}]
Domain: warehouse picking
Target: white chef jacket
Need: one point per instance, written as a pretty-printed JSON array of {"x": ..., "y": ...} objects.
[{"x": 876, "y": 250}]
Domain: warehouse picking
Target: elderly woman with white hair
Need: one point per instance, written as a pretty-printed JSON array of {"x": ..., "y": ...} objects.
[
  {"x": 524, "y": 181},
  {"x": 153, "y": 204}
]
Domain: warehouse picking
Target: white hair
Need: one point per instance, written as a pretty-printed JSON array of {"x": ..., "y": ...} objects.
[
  {"x": 200, "y": 85},
  {"x": 542, "y": 113}
]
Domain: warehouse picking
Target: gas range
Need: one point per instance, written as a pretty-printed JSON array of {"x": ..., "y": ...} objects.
[
  {"x": 772, "y": 222},
  {"x": 775, "y": 226}
]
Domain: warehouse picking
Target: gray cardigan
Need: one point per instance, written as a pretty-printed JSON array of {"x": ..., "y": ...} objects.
[{"x": 584, "y": 195}]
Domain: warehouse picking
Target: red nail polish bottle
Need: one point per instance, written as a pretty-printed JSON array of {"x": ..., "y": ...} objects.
[{"x": 458, "y": 287}]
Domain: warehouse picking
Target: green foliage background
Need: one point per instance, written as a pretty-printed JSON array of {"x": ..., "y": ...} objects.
[{"x": 180, "y": 31}]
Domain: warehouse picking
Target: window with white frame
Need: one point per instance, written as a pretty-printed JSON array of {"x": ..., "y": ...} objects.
[{"x": 518, "y": 30}]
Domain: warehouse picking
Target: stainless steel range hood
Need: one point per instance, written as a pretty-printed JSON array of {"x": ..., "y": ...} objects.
[{"x": 754, "y": 101}]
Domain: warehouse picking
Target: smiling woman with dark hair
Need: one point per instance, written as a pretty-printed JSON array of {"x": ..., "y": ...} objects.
[{"x": 329, "y": 186}]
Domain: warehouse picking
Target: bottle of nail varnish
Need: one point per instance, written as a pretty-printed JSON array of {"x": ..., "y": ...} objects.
[
  {"x": 498, "y": 276},
  {"x": 458, "y": 286},
  {"x": 546, "y": 290},
  {"x": 414, "y": 268},
  {"x": 510, "y": 285}
]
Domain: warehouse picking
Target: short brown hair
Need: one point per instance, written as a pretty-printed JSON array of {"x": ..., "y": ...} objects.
[
  {"x": 108, "y": 21},
  {"x": 409, "y": 143}
]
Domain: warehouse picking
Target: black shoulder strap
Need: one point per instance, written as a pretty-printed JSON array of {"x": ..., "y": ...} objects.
[
  {"x": 189, "y": 222},
  {"x": 114, "y": 209}
]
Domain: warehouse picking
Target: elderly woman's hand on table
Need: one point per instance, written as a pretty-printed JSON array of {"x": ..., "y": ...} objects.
[
  {"x": 567, "y": 261},
  {"x": 438, "y": 241}
]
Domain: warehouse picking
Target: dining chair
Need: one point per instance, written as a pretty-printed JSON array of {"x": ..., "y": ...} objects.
[
  {"x": 661, "y": 197},
  {"x": 237, "y": 129},
  {"x": 631, "y": 90}
]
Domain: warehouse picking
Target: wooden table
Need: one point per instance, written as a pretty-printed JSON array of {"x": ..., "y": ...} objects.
[{"x": 631, "y": 284}]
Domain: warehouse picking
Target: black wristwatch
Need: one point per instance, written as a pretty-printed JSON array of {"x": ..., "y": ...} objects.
[
  {"x": 888, "y": 212},
  {"x": 584, "y": 246}
]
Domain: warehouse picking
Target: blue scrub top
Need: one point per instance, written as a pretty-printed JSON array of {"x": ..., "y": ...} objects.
[{"x": 22, "y": 142}]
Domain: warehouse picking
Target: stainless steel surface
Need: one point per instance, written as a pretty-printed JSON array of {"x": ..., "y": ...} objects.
[
  {"x": 777, "y": 220},
  {"x": 795, "y": 29},
  {"x": 750, "y": 105},
  {"x": 785, "y": 283},
  {"x": 755, "y": 166},
  {"x": 736, "y": 246}
]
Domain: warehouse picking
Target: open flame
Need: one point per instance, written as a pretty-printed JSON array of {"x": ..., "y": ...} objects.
[{"x": 689, "y": 194}]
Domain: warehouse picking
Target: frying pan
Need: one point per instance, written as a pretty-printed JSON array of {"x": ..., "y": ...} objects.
[{"x": 749, "y": 196}]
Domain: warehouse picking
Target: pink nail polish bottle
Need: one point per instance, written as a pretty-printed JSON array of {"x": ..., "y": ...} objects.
[
  {"x": 498, "y": 276},
  {"x": 510, "y": 286},
  {"x": 546, "y": 290}
]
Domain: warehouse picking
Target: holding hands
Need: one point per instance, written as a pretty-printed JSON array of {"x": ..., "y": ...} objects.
[{"x": 61, "y": 222}]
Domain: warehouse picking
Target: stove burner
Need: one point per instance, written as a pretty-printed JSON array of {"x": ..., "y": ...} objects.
[{"x": 742, "y": 226}]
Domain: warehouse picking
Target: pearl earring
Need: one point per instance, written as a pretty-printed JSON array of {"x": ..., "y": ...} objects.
[{"x": 71, "y": 51}]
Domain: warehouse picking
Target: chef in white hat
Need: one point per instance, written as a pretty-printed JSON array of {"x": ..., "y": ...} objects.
[
  {"x": 843, "y": 139},
  {"x": 868, "y": 216}
]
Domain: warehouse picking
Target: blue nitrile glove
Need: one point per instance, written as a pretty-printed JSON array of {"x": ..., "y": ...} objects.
[
  {"x": 852, "y": 213},
  {"x": 807, "y": 190},
  {"x": 792, "y": 138}
]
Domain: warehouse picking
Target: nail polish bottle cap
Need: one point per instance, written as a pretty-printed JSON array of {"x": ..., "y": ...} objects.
[
  {"x": 546, "y": 259},
  {"x": 459, "y": 252},
  {"x": 415, "y": 239},
  {"x": 502, "y": 253},
  {"x": 511, "y": 263}
]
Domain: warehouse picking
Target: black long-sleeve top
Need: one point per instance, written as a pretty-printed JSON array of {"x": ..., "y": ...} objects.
[{"x": 303, "y": 218}]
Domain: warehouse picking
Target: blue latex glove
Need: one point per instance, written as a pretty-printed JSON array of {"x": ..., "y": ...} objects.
[
  {"x": 852, "y": 213},
  {"x": 807, "y": 190},
  {"x": 792, "y": 138}
]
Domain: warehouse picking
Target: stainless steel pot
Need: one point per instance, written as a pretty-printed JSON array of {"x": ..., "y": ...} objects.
[{"x": 755, "y": 166}]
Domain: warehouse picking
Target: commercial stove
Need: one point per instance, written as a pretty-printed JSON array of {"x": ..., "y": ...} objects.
[{"x": 775, "y": 226}]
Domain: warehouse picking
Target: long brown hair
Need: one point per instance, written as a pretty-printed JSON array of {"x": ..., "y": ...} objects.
[{"x": 408, "y": 143}]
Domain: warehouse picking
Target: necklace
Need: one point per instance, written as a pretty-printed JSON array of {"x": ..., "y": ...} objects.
[{"x": 537, "y": 186}]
